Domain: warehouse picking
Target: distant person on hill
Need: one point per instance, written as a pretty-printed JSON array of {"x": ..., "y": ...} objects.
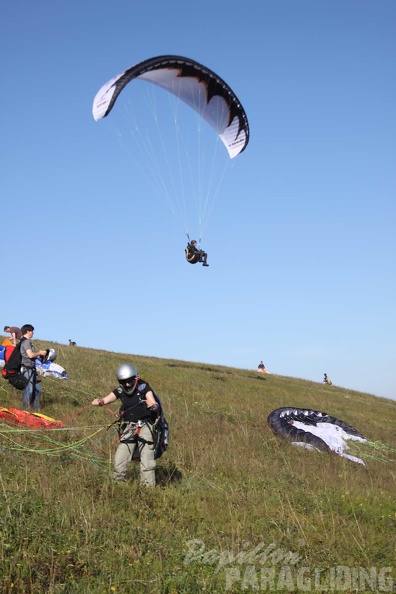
[
  {"x": 32, "y": 392},
  {"x": 137, "y": 413},
  {"x": 261, "y": 365},
  {"x": 326, "y": 380},
  {"x": 194, "y": 255},
  {"x": 15, "y": 332}
]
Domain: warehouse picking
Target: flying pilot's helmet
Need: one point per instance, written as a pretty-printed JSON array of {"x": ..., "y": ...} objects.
[{"x": 128, "y": 376}]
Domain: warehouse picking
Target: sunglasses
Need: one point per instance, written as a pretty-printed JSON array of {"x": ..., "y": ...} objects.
[{"x": 130, "y": 380}]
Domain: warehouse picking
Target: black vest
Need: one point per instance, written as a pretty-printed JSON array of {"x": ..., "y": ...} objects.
[{"x": 133, "y": 409}]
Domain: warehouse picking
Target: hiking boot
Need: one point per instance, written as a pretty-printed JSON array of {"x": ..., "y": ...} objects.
[{"x": 204, "y": 264}]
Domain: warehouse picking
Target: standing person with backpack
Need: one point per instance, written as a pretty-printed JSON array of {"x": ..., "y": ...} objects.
[
  {"x": 32, "y": 392},
  {"x": 138, "y": 413}
]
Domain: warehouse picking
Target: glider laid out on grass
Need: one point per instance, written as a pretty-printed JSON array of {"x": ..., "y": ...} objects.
[
  {"x": 314, "y": 430},
  {"x": 27, "y": 419},
  {"x": 50, "y": 369}
]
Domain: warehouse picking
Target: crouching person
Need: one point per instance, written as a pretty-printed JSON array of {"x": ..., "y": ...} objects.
[{"x": 137, "y": 414}]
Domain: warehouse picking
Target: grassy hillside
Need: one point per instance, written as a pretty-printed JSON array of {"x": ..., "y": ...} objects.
[{"x": 236, "y": 508}]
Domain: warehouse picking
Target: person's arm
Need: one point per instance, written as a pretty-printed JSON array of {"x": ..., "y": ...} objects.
[
  {"x": 14, "y": 338},
  {"x": 151, "y": 403},
  {"x": 106, "y": 400},
  {"x": 34, "y": 355}
]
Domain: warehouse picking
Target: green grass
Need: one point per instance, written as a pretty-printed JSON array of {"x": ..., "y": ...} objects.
[{"x": 235, "y": 509}]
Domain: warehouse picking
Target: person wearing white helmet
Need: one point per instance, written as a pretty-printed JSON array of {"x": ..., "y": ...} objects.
[
  {"x": 137, "y": 414},
  {"x": 32, "y": 392}
]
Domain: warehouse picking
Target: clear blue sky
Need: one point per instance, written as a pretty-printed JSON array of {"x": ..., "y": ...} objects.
[{"x": 302, "y": 240}]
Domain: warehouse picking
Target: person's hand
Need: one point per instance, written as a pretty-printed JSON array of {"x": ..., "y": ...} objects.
[{"x": 97, "y": 402}]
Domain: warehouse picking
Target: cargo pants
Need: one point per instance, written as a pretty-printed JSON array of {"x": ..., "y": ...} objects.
[{"x": 125, "y": 450}]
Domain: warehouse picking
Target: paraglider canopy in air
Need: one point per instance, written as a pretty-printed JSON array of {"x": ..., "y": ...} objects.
[{"x": 196, "y": 85}]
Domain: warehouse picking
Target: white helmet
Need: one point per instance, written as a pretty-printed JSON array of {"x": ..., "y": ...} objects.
[
  {"x": 51, "y": 355},
  {"x": 127, "y": 373}
]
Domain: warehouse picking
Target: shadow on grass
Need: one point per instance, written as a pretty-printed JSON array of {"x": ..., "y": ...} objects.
[{"x": 167, "y": 475}]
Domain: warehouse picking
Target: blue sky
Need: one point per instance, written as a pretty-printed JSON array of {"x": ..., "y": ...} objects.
[{"x": 301, "y": 241}]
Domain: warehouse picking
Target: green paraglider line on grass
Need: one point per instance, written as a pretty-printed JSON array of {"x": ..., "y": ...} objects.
[{"x": 20, "y": 441}]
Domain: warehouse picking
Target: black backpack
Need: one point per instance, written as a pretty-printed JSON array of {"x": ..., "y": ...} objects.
[
  {"x": 12, "y": 367},
  {"x": 161, "y": 431}
]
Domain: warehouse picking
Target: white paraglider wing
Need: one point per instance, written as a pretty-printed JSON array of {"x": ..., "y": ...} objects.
[{"x": 194, "y": 84}]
